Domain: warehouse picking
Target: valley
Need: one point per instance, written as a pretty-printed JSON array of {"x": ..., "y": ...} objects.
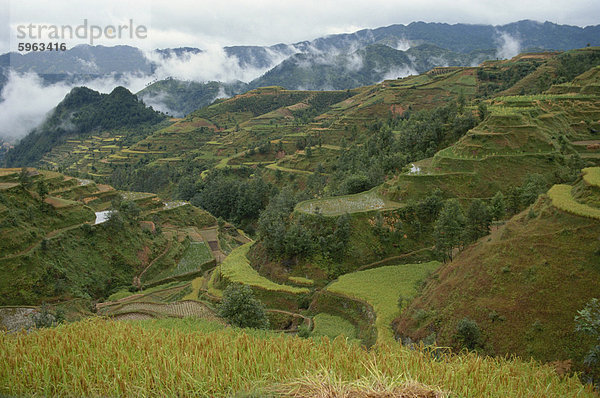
[{"x": 370, "y": 223}]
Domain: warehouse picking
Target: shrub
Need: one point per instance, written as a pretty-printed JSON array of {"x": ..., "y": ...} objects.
[
  {"x": 303, "y": 331},
  {"x": 468, "y": 333},
  {"x": 242, "y": 309},
  {"x": 587, "y": 322},
  {"x": 43, "y": 318}
]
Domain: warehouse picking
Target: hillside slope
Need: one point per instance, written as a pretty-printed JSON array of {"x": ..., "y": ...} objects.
[
  {"x": 80, "y": 113},
  {"x": 523, "y": 284},
  {"x": 58, "y": 242}
]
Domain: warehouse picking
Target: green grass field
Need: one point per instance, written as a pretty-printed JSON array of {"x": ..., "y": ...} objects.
[
  {"x": 333, "y": 326},
  {"x": 382, "y": 287},
  {"x": 185, "y": 358}
]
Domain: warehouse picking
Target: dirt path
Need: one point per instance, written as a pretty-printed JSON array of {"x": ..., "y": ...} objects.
[{"x": 137, "y": 280}]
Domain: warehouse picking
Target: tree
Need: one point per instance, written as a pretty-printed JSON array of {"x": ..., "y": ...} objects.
[
  {"x": 24, "y": 177},
  {"x": 513, "y": 200},
  {"x": 298, "y": 240},
  {"x": 468, "y": 333},
  {"x": 242, "y": 309},
  {"x": 478, "y": 220},
  {"x": 449, "y": 227},
  {"x": 42, "y": 189},
  {"x": 483, "y": 111},
  {"x": 587, "y": 321},
  {"x": 186, "y": 188},
  {"x": 534, "y": 185},
  {"x": 429, "y": 208},
  {"x": 498, "y": 206}
]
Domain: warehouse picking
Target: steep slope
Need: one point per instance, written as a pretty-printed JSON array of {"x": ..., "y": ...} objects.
[
  {"x": 82, "y": 112},
  {"x": 521, "y": 135},
  {"x": 524, "y": 283},
  {"x": 53, "y": 246},
  {"x": 372, "y": 64},
  {"x": 179, "y": 98}
]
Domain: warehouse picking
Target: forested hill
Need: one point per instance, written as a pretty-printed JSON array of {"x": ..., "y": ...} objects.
[{"x": 82, "y": 112}]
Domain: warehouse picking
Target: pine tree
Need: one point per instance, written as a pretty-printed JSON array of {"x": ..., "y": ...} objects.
[
  {"x": 448, "y": 229},
  {"x": 498, "y": 206},
  {"x": 478, "y": 220}
]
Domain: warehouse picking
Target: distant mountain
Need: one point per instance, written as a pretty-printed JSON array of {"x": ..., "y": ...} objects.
[
  {"x": 82, "y": 112},
  {"x": 465, "y": 38},
  {"x": 179, "y": 98},
  {"x": 78, "y": 63},
  {"x": 366, "y": 66},
  {"x": 313, "y": 71},
  {"x": 460, "y": 38},
  {"x": 338, "y": 61}
]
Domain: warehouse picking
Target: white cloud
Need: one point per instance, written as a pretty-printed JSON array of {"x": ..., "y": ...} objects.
[
  {"x": 265, "y": 22},
  {"x": 213, "y": 64},
  {"x": 26, "y": 100},
  {"x": 509, "y": 46},
  {"x": 402, "y": 45},
  {"x": 399, "y": 71}
]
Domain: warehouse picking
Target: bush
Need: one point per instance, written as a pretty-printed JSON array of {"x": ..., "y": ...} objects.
[
  {"x": 43, "y": 318},
  {"x": 468, "y": 334},
  {"x": 303, "y": 331},
  {"x": 242, "y": 309},
  {"x": 587, "y": 322}
]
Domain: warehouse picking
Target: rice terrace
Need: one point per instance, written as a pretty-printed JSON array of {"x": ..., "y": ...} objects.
[{"x": 403, "y": 211}]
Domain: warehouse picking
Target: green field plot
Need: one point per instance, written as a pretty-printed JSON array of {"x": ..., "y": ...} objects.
[
  {"x": 128, "y": 195},
  {"x": 299, "y": 280},
  {"x": 196, "y": 258},
  {"x": 338, "y": 205},
  {"x": 236, "y": 268},
  {"x": 591, "y": 176},
  {"x": 196, "y": 254},
  {"x": 382, "y": 288},
  {"x": 332, "y": 326},
  {"x": 273, "y": 166},
  {"x": 562, "y": 199},
  {"x": 179, "y": 309}
]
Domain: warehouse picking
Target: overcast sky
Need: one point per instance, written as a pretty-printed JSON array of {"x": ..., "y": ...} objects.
[{"x": 199, "y": 23}]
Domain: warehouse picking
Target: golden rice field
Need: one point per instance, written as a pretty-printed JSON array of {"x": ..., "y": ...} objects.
[{"x": 98, "y": 357}]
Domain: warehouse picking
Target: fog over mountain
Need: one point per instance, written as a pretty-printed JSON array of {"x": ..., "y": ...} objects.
[{"x": 341, "y": 61}]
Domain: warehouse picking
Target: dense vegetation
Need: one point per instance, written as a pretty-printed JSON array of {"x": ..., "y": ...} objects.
[
  {"x": 429, "y": 200},
  {"x": 81, "y": 112}
]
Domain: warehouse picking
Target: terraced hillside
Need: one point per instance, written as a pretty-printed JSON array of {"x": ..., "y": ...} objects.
[
  {"x": 522, "y": 135},
  {"x": 58, "y": 242},
  {"x": 531, "y": 275}
]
